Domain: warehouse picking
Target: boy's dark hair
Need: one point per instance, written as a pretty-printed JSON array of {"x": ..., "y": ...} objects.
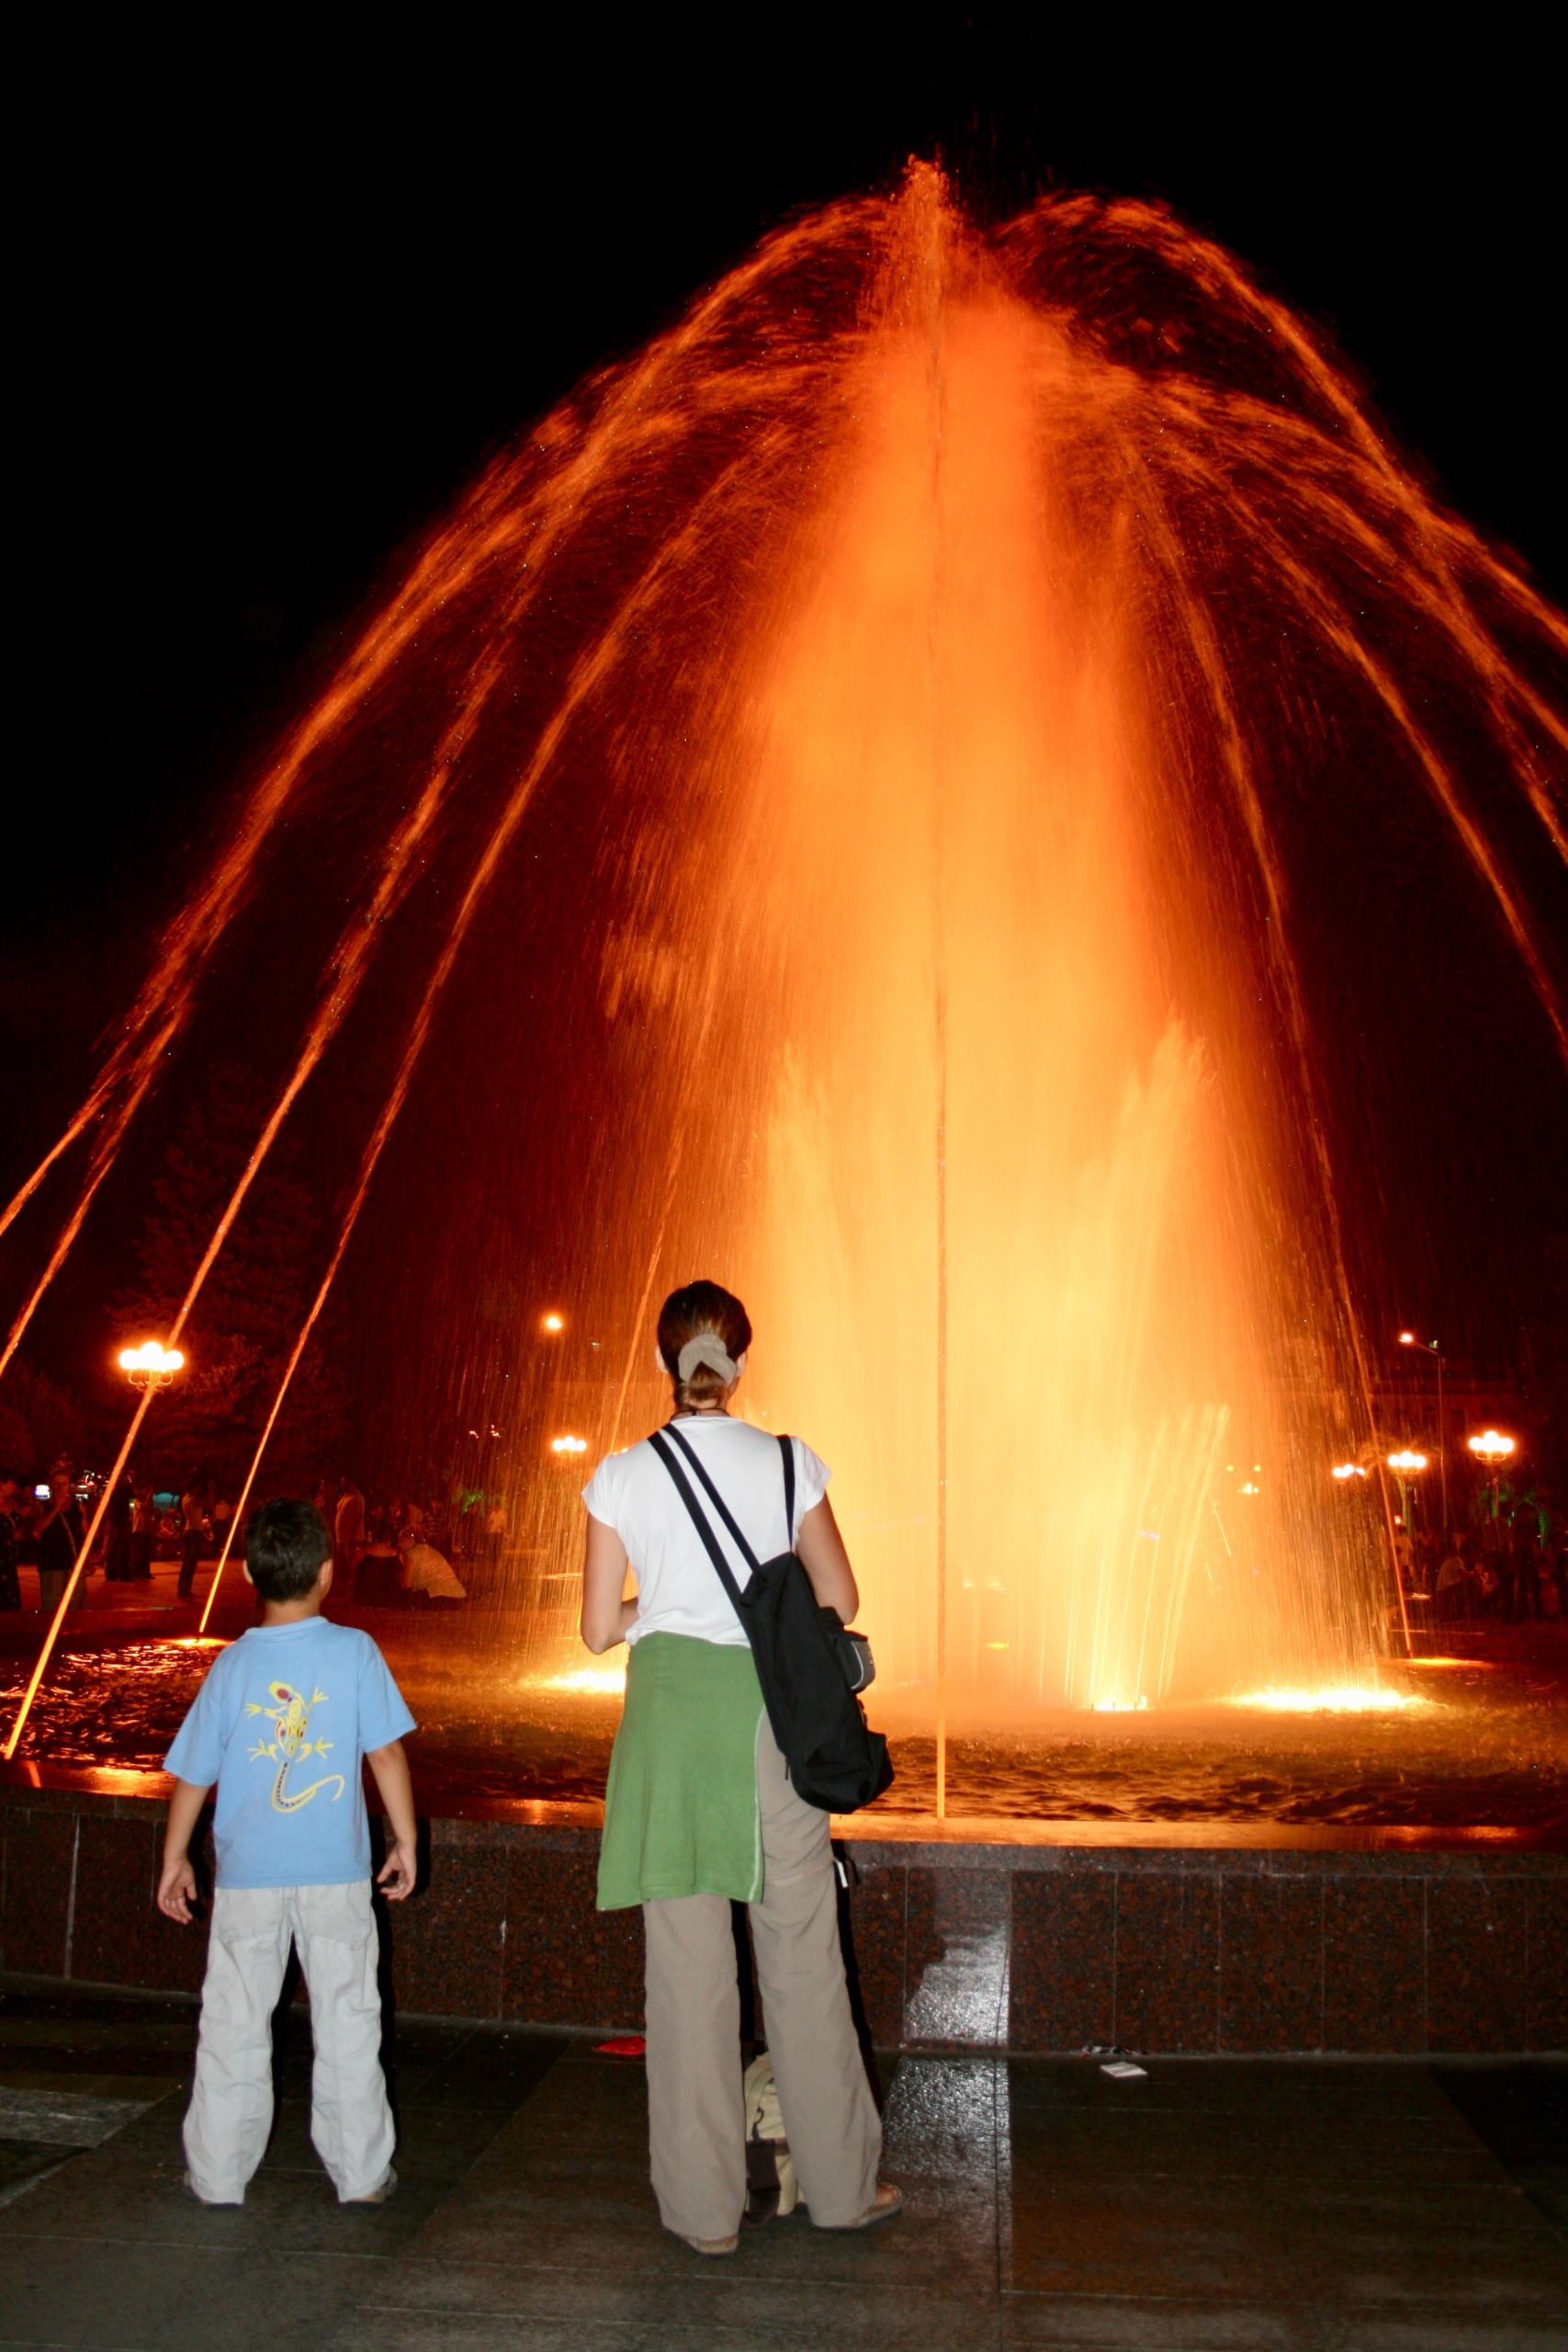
[{"x": 286, "y": 1546}]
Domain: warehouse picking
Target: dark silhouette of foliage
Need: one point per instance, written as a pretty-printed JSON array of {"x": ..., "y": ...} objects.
[
  {"x": 255, "y": 1300},
  {"x": 38, "y": 1421}
]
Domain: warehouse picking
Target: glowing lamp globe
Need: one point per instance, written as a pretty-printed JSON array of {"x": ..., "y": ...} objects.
[{"x": 151, "y": 1365}]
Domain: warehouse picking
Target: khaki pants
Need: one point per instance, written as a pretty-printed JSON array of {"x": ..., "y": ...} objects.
[
  {"x": 229, "y": 2115},
  {"x": 695, "y": 2126}
]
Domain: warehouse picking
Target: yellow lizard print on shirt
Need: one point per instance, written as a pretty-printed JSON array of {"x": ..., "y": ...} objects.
[{"x": 291, "y": 1721}]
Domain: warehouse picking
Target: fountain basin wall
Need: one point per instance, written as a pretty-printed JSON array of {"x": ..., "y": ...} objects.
[{"x": 1025, "y": 1936}]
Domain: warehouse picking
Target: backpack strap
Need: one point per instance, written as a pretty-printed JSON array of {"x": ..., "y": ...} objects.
[
  {"x": 787, "y": 1447},
  {"x": 699, "y": 1519},
  {"x": 714, "y": 1496}
]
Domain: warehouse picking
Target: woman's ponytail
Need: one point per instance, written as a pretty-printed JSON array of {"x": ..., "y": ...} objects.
[{"x": 704, "y": 1332}]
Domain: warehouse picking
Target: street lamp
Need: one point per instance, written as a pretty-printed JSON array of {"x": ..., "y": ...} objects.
[
  {"x": 148, "y": 1368},
  {"x": 1492, "y": 1447},
  {"x": 1343, "y": 1470},
  {"x": 1430, "y": 1347},
  {"x": 152, "y": 1365},
  {"x": 1406, "y": 1465}
]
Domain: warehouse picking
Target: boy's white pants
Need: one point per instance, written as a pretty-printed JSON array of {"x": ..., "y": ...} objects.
[{"x": 230, "y": 2108}]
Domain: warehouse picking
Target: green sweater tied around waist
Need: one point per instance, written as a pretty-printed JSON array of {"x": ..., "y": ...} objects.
[{"x": 680, "y": 1809}]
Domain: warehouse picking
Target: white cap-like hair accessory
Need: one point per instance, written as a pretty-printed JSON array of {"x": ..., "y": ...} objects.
[{"x": 705, "y": 1348}]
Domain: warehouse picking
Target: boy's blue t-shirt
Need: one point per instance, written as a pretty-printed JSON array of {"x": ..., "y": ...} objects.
[{"x": 282, "y": 1724}]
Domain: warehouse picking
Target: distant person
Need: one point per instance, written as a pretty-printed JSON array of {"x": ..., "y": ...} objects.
[
  {"x": 495, "y": 1534},
  {"x": 59, "y": 1538},
  {"x": 1519, "y": 1552},
  {"x": 10, "y": 1540},
  {"x": 143, "y": 1528},
  {"x": 1452, "y": 1576},
  {"x": 281, "y": 1725},
  {"x": 380, "y": 1575},
  {"x": 117, "y": 1546},
  {"x": 193, "y": 1538},
  {"x": 700, "y": 1811},
  {"x": 223, "y": 1512},
  {"x": 1560, "y": 1575},
  {"x": 426, "y": 1573},
  {"x": 1484, "y": 1579},
  {"x": 348, "y": 1533}
]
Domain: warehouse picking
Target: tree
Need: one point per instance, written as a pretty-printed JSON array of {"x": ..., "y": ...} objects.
[
  {"x": 38, "y": 1421},
  {"x": 249, "y": 1314}
]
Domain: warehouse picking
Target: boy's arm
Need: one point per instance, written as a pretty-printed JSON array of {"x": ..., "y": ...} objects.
[
  {"x": 177, "y": 1880},
  {"x": 391, "y": 1767}
]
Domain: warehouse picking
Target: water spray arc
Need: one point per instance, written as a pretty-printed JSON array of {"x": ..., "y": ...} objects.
[{"x": 857, "y": 703}]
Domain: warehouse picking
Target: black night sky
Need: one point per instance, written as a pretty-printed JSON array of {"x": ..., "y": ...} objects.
[{"x": 278, "y": 304}]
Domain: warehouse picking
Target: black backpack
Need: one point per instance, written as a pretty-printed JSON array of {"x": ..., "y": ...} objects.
[{"x": 809, "y": 1668}]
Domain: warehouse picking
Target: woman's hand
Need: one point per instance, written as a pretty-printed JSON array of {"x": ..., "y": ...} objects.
[{"x": 606, "y": 1613}]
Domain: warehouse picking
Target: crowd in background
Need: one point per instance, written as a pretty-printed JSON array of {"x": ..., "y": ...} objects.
[
  {"x": 1508, "y": 1574},
  {"x": 395, "y": 1550},
  {"x": 390, "y": 1553}
]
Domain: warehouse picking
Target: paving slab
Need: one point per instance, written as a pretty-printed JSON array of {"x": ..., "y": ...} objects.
[{"x": 1214, "y": 2205}]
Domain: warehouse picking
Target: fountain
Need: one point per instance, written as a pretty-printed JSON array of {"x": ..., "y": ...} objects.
[{"x": 823, "y": 812}]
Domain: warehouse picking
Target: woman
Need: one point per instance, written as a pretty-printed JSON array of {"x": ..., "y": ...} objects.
[
  {"x": 143, "y": 1529},
  {"x": 60, "y": 1534},
  {"x": 117, "y": 1547},
  {"x": 699, "y": 1810},
  {"x": 426, "y": 1573}
]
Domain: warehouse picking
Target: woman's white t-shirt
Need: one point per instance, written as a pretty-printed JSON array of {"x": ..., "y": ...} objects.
[{"x": 678, "y": 1590}]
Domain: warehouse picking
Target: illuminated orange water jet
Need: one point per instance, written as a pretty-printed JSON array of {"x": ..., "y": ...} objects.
[{"x": 919, "y": 637}]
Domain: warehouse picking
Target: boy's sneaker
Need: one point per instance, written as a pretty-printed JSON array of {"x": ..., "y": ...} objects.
[{"x": 376, "y": 2196}]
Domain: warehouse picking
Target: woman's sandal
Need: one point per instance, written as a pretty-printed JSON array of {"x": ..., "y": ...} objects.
[
  {"x": 887, "y": 2202},
  {"x": 715, "y": 2245}
]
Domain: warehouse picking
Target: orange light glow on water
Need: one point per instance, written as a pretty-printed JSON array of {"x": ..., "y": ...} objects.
[
  {"x": 589, "y": 1681},
  {"x": 1345, "y": 1699}
]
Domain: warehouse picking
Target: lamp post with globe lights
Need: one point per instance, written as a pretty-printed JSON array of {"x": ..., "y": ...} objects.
[
  {"x": 1431, "y": 1348},
  {"x": 1406, "y": 1465},
  {"x": 152, "y": 1365},
  {"x": 1492, "y": 1447},
  {"x": 149, "y": 1368}
]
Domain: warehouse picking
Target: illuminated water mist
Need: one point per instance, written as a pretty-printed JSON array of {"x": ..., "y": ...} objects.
[{"x": 841, "y": 762}]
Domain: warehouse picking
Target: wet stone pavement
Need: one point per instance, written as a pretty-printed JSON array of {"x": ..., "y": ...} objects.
[{"x": 1214, "y": 2205}]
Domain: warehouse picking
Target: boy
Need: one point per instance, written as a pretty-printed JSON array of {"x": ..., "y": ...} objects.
[{"x": 280, "y": 1725}]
